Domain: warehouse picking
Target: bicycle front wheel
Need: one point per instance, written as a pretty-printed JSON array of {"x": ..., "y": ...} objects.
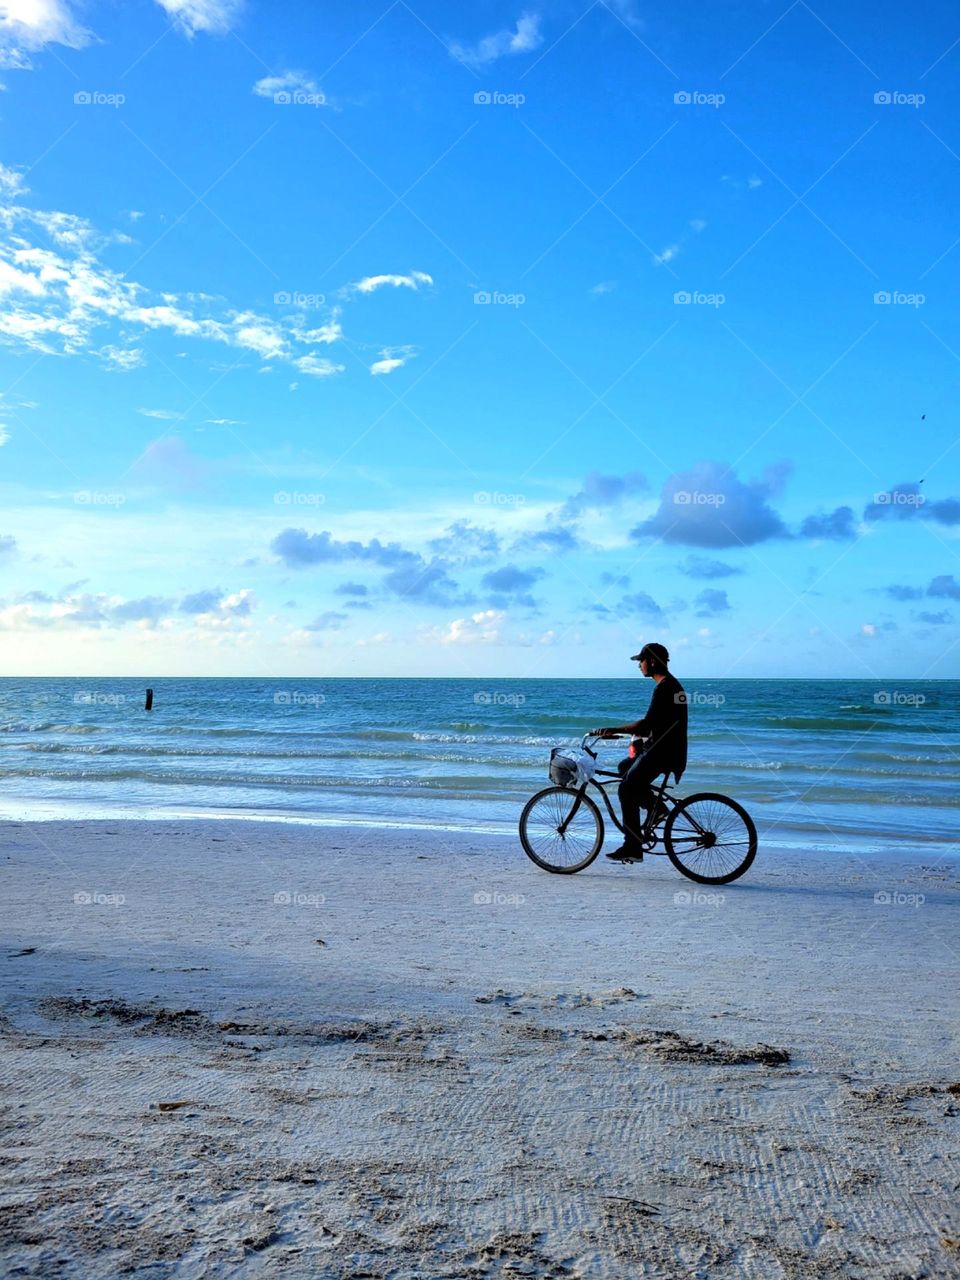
[
  {"x": 710, "y": 838},
  {"x": 579, "y": 843}
]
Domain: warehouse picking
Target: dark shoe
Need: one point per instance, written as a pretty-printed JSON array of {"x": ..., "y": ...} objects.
[{"x": 626, "y": 853}]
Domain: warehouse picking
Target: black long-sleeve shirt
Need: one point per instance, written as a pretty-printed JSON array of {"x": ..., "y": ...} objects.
[{"x": 665, "y": 724}]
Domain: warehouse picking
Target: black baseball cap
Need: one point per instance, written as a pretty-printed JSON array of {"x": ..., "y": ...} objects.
[{"x": 658, "y": 651}]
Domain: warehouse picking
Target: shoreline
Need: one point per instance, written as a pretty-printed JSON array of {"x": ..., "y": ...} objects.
[
  {"x": 792, "y": 841},
  {"x": 422, "y": 1056}
]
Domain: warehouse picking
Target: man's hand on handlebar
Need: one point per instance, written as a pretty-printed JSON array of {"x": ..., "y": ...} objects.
[{"x": 604, "y": 733}]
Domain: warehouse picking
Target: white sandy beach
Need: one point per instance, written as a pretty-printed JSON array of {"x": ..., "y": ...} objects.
[{"x": 413, "y": 1054}]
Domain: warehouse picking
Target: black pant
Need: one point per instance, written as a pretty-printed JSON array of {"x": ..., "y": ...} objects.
[{"x": 634, "y": 792}]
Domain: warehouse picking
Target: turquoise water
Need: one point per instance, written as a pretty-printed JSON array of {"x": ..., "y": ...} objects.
[{"x": 818, "y": 762}]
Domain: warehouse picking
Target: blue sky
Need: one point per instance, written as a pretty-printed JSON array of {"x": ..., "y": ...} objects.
[{"x": 479, "y": 340}]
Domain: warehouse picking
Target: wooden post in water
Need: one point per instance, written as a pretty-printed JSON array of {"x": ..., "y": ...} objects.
[{"x": 149, "y": 704}]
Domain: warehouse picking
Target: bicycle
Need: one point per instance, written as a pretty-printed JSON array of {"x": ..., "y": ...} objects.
[{"x": 707, "y": 836}]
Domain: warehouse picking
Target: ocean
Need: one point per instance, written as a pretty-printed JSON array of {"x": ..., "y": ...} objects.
[{"x": 844, "y": 764}]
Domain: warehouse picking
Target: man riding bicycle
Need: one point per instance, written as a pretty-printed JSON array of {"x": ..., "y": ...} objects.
[{"x": 665, "y": 729}]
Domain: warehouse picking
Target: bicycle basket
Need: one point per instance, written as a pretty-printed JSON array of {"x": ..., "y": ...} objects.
[{"x": 571, "y": 766}]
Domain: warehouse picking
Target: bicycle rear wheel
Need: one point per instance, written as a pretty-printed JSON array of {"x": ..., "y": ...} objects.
[
  {"x": 540, "y": 823},
  {"x": 710, "y": 838}
]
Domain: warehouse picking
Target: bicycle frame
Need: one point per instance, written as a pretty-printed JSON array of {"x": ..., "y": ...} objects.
[{"x": 660, "y": 795}]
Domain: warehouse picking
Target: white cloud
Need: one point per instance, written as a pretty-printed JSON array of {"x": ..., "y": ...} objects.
[
  {"x": 14, "y": 281},
  {"x": 479, "y": 628},
  {"x": 213, "y": 16},
  {"x": 412, "y": 281},
  {"x": 327, "y": 333},
  {"x": 696, "y": 225},
  {"x": 27, "y": 25},
  {"x": 74, "y": 609},
  {"x": 868, "y": 629},
  {"x": 11, "y": 182},
  {"x": 59, "y": 297},
  {"x": 524, "y": 38},
  {"x": 605, "y": 286},
  {"x": 289, "y": 82},
  {"x": 17, "y": 617},
  {"x": 135, "y": 215},
  {"x": 161, "y": 317},
  {"x": 259, "y": 335},
  {"x": 317, "y": 366},
  {"x": 392, "y": 358},
  {"x": 59, "y": 294},
  {"x": 4, "y": 434},
  {"x": 754, "y": 182},
  {"x": 231, "y": 609},
  {"x": 13, "y": 59},
  {"x": 382, "y": 637},
  {"x": 165, "y": 415},
  {"x": 69, "y": 231},
  {"x": 667, "y": 255},
  {"x": 122, "y": 358}
]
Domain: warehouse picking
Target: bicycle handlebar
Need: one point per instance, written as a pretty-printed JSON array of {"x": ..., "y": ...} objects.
[{"x": 609, "y": 737}]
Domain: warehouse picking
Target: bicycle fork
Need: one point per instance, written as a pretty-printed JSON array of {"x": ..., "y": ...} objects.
[{"x": 562, "y": 829}]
